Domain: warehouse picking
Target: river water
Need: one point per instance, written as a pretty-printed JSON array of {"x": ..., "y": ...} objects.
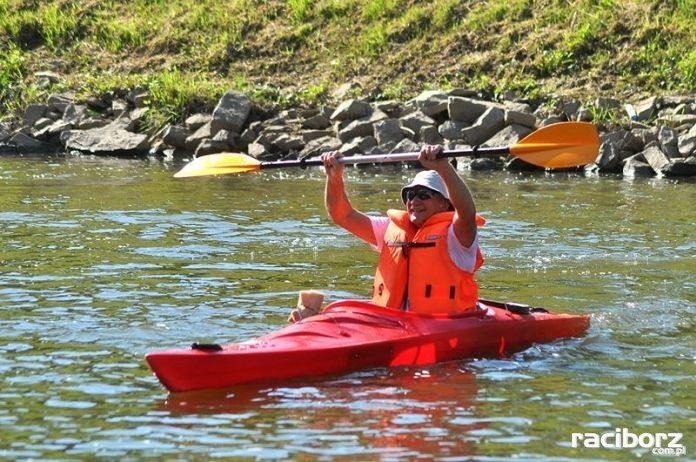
[{"x": 104, "y": 260}]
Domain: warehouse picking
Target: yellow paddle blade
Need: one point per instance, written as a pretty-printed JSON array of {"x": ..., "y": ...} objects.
[
  {"x": 560, "y": 145},
  {"x": 219, "y": 164}
]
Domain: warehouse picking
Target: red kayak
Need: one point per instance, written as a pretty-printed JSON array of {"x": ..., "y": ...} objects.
[{"x": 351, "y": 335}]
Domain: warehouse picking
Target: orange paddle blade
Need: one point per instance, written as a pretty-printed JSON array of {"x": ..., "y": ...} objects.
[
  {"x": 219, "y": 164},
  {"x": 560, "y": 145}
]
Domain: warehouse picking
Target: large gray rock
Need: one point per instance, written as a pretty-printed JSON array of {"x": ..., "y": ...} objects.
[
  {"x": 466, "y": 109},
  {"x": 391, "y": 108},
  {"x": 124, "y": 122},
  {"x": 60, "y": 102},
  {"x": 520, "y": 118},
  {"x": 518, "y": 106},
  {"x": 285, "y": 142},
  {"x": 361, "y": 127},
  {"x": 211, "y": 146},
  {"x": 645, "y": 135},
  {"x": 43, "y": 128},
  {"x": 109, "y": 140},
  {"x": 669, "y": 143},
  {"x": 487, "y": 125},
  {"x": 508, "y": 136},
  {"x": 635, "y": 166},
  {"x": 681, "y": 167},
  {"x": 646, "y": 108},
  {"x": 21, "y": 143},
  {"x": 410, "y": 134},
  {"x": 89, "y": 123},
  {"x": 632, "y": 142},
  {"x": 318, "y": 121},
  {"x": 175, "y": 136},
  {"x": 231, "y": 112},
  {"x": 266, "y": 137},
  {"x": 608, "y": 159},
  {"x": 320, "y": 145},
  {"x": 227, "y": 137},
  {"x": 687, "y": 143},
  {"x": 415, "y": 121},
  {"x": 248, "y": 136},
  {"x": 430, "y": 135},
  {"x": 571, "y": 109},
  {"x": 678, "y": 121},
  {"x": 309, "y": 135},
  {"x": 194, "y": 139},
  {"x": 618, "y": 139},
  {"x": 405, "y": 145},
  {"x": 351, "y": 109},
  {"x": 388, "y": 131},
  {"x": 655, "y": 158},
  {"x": 119, "y": 107},
  {"x": 358, "y": 145},
  {"x": 73, "y": 114},
  {"x": 676, "y": 100},
  {"x": 272, "y": 128},
  {"x": 382, "y": 148},
  {"x": 34, "y": 112},
  {"x": 258, "y": 151},
  {"x": 431, "y": 102},
  {"x": 196, "y": 121},
  {"x": 282, "y": 120},
  {"x": 452, "y": 129},
  {"x": 4, "y": 132},
  {"x": 41, "y": 124}
]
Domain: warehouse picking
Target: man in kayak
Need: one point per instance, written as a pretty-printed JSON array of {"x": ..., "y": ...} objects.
[{"x": 429, "y": 252}]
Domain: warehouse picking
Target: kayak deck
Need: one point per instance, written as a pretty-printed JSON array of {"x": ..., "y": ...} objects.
[{"x": 351, "y": 335}]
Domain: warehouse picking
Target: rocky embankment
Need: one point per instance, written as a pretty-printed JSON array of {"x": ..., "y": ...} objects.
[{"x": 657, "y": 136}]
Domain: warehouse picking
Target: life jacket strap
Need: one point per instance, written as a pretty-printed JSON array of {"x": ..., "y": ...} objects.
[{"x": 405, "y": 246}]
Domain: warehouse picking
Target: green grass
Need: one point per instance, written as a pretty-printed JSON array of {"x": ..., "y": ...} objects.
[
  {"x": 178, "y": 95},
  {"x": 687, "y": 65},
  {"x": 186, "y": 53},
  {"x": 12, "y": 70},
  {"x": 300, "y": 10}
]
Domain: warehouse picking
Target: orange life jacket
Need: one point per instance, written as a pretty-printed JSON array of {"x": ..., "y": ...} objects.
[{"x": 414, "y": 263}]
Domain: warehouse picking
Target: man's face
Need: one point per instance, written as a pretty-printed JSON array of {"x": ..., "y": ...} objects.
[{"x": 422, "y": 203}]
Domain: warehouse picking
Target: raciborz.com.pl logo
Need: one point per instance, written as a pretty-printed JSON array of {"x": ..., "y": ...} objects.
[{"x": 660, "y": 444}]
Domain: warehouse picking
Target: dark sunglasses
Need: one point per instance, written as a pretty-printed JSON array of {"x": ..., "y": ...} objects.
[{"x": 422, "y": 194}]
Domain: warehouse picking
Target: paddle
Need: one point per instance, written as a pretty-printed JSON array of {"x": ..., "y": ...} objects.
[{"x": 560, "y": 145}]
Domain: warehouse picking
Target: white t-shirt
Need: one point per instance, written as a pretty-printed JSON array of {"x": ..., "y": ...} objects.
[{"x": 463, "y": 257}]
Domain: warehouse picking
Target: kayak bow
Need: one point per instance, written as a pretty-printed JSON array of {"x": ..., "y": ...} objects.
[{"x": 352, "y": 335}]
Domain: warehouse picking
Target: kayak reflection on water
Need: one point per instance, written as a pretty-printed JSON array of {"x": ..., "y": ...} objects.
[{"x": 392, "y": 410}]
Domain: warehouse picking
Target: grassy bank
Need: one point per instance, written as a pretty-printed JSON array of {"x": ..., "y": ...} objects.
[{"x": 289, "y": 53}]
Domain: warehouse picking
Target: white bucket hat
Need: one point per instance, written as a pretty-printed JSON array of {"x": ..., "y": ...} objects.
[{"x": 427, "y": 179}]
